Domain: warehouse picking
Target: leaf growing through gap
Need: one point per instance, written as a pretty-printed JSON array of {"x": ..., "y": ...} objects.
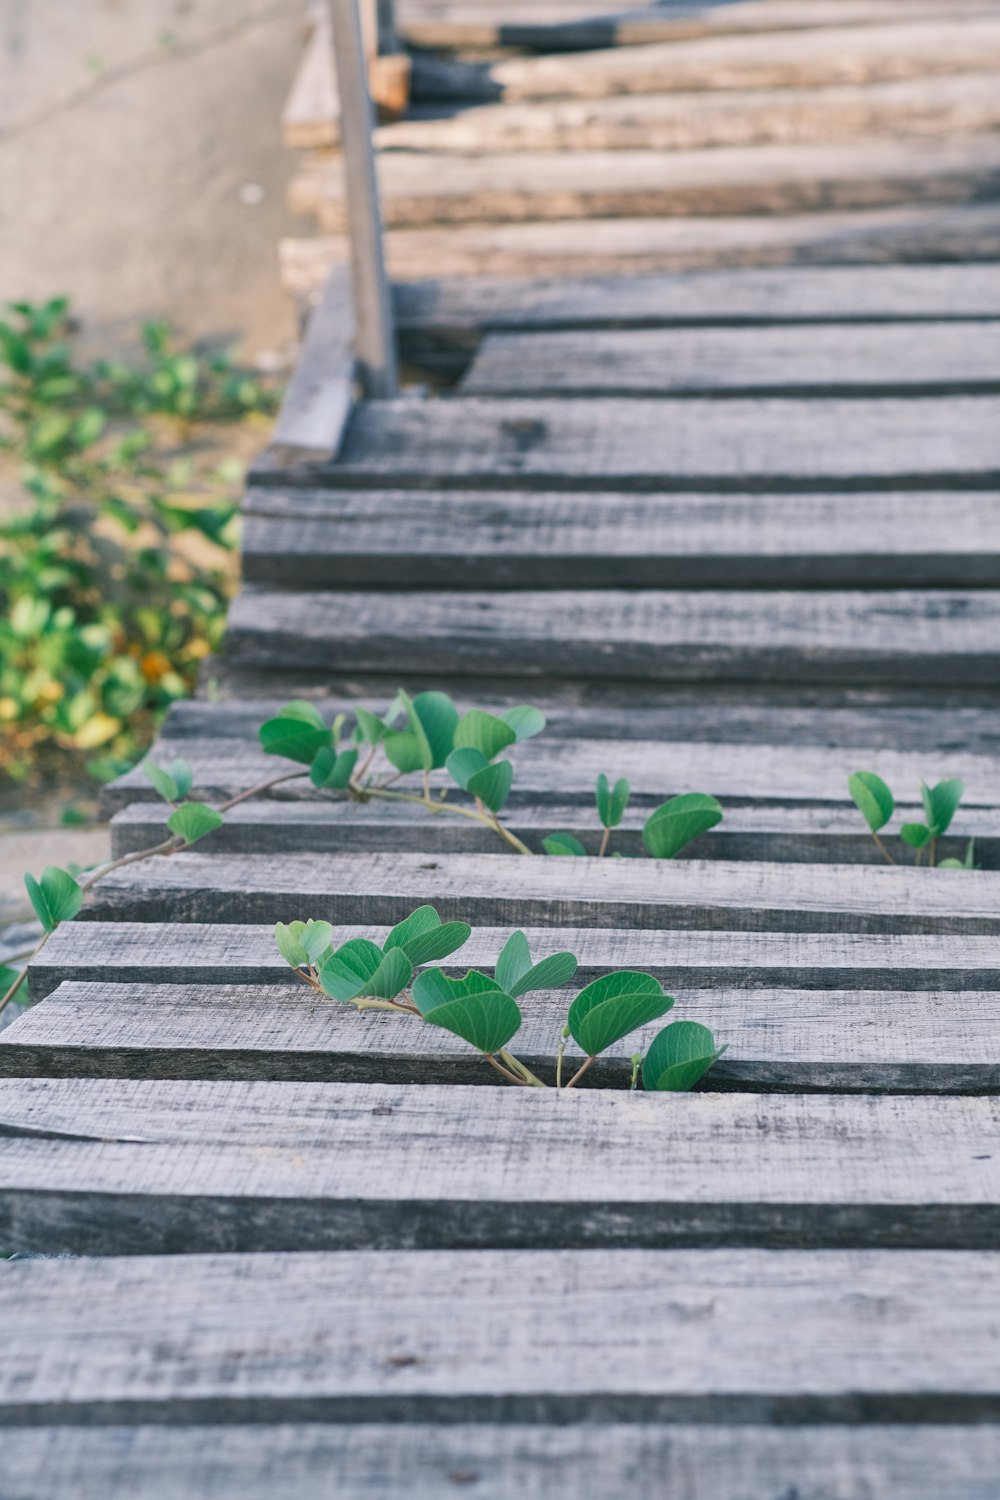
[
  {"x": 192, "y": 820},
  {"x": 425, "y": 939},
  {"x": 492, "y": 785},
  {"x": 678, "y": 1056},
  {"x": 614, "y": 1005},
  {"x": 916, "y": 835},
  {"x": 331, "y": 770},
  {"x": 674, "y": 824},
  {"x": 872, "y": 798},
  {"x": 611, "y": 803},
  {"x": 56, "y": 897},
  {"x": 359, "y": 970},
  {"x": 473, "y": 1008},
  {"x": 516, "y": 974},
  {"x": 525, "y": 721},
  {"x": 562, "y": 844},
  {"x": 941, "y": 804},
  {"x": 296, "y": 732},
  {"x": 478, "y": 730},
  {"x": 172, "y": 781}
]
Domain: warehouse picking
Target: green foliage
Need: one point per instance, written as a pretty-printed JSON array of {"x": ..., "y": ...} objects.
[
  {"x": 473, "y": 1008},
  {"x": 940, "y": 803},
  {"x": 172, "y": 781},
  {"x": 611, "y": 1007},
  {"x": 331, "y": 769},
  {"x": 611, "y": 804},
  {"x": 478, "y": 730},
  {"x": 359, "y": 970},
  {"x": 678, "y": 1056},
  {"x": 114, "y": 572},
  {"x": 674, "y": 824},
  {"x": 872, "y": 798},
  {"x": 192, "y": 820},
  {"x": 516, "y": 973},
  {"x": 425, "y": 939},
  {"x": 562, "y": 844},
  {"x": 56, "y": 898},
  {"x": 297, "y": 733},
  {"x": 967, "y": 863}
]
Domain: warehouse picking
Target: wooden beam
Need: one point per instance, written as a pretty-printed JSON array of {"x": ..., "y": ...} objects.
[{"x": 318, "y": 400}]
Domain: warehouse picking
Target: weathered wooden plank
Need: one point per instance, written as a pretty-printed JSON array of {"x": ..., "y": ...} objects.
[
  {"x": 859, "y": 638},
  {"x": 500, "y": 889},
  {"x": 874, "y": 359},
  {"x": 407, "y": 539},
  {"x": 804, "y": 833},
  {"x": 158, "y": 954},
  {"x": 602, "y": 1335},
  {"x": 562, "y": 772},
  {"x": 152, "y": 1167},
  {"x": 424, "y": 1462},
  {"x": 430, "y": 189},
  {"x": 868, "y": 1040},
  {"x": 317, "y": 402},
  {"x": 311, "y": 116},
  {"x": 629, "y": 246},
  {"x": 683, "y": 121},
  {"x": 665, "y": 444}
]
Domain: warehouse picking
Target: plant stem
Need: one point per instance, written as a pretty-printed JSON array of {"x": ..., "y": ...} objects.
[
  {"x": 579, "y": 1073},
  {"x": 12, "y": 991},
  {"x": 882, "y": 849},
  {"x": 518, "y": 1067},
  {"x": 510, "y": 838},
  {"x": 262, "y": 786},
  {"x": 510, "y": 1077},
  {"x": 169, "y": 846},
  {"x": 564, "y": 1038},
  {"x": 933, "y": 853},
  {"x": 605, "y": 841}
]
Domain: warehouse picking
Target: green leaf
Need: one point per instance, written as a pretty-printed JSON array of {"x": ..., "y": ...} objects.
[
  {"x": 296, "y": 733},
  {"x": 331, "y": 769},
  {"x": 289, "y": 943},
  {"x": 678, "y": 1056},
  {"x": 525, "y": 721},
  {"x": 463, "y": 764},
  {"x": 951, "y": 864},
  {"x": 478, "y": 730},
  {"x": 941, "y": 803},
  {"x": 916, "y": 835},
  {"x": 438, "y": 718},
  {"x": 371, "y": 727},
  {"x": 562, "y": 843},
  {"x": 56, "y": 897},
  {"x": 192, "y": 820},
  {"x": 516, "y": 974},
  {"x": 424, "y": 938},
  {"x": 172, "y": 781},
  {"x": 614, "y": 1005},
  {"x": 872, "y": 798},
  {"x": 407, "y": 751},
  {"x": 360, "y": 970},
  {"x": 316, "y": 940},
  {"x": 472, "y": 1008},
  {"x": 611, "y": 804},
  {"x": 492, "y": 784},
  {"x": 675, "y": 823}
]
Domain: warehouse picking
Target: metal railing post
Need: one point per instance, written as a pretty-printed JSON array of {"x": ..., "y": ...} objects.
[{"x": 376, "y": 348}]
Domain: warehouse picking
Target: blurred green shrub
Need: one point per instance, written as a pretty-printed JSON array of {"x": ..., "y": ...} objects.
[{"x": 114, "y": 574}]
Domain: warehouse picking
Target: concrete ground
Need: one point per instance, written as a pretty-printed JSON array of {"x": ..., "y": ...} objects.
[{"x": 141, "y": 167}]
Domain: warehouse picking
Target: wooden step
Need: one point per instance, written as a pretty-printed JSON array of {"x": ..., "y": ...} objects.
[
  {"x": 152, "y": 1167},
  {"x": 689, "y": 121},
  {"x": 859, "y": 638},
  {"x": 859, "y": 1040},
  {"x": 500, "y": 889},
  {"x": 432, "y": 189},
  {"x": 420, "y": 1461},
  {"x": 823, "y": 360},
  {"x": 906, "y": 1336}
]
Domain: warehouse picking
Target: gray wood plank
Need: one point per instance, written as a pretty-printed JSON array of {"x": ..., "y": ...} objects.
[
  {"x": 803, "y": 833},
  {"x": 317, "y": 402},
  {"x": 855, "y": 1040},
  {"x": 424, "y": 1462},
  {"x": 421, "y": 189},
  {"x": 162, "y": 953},
  {"x": 603, "y": 1335},
  {"x": 301, "y": 539},
  {"x": 884, "y": 359},
  {"x": 152, "y": 1168},
  {"x": 906, "y": 637},
  {"x": 665, "y": 444},
  {"x": 500, "y": 889}
]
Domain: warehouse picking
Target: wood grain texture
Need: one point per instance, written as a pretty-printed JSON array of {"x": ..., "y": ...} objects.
[
  {"x": 424, "y": 1462},
  {"x": 143, "y": 1167},
  {"x": 317, "y": 403},
  {"x": 664, "y": 444},
  {"x": 906, "y": 637},
  {"x": 671, "y": 1335},
  {"x": 314, "y": 539},
  {"x": 857, "y": 1040},
  {"x": 196, "y": 953},
  {"x": 884, "y": 359},
  {"x": 421, "y": 189},
  {"x": 499, "y": 889}
]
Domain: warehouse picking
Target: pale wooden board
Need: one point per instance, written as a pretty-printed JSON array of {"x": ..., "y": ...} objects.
[
  {"x": 500, "y": 889},
  {"x": 158, "y": 954},
  {"x": 424, "y": 1462},
  {"x": 151, "y": 1167},
  {"x": 503, "y": 1336},
  {"x": 317, "y": 402},
  {"x": 907, "y": 637},
  {"x": 311, "y": 116},
  {"x": 857, "y": 1040},
  {"x": 664, "y": 444},
  {"x": 421, "y": 189},
  {"x": 561, "y": 771},
  {"x": 304, "y": 539},
  {"x": 686, "y": 121},
  {"x": 630, "y": 246},
  {"x": 870, "y": 359}
]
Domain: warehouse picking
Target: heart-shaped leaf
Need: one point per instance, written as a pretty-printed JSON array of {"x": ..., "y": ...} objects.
[
  {"x": 478, "y": 730},
  {"x": 611, "y": 804},
  {"x": 562, "y": 843},
  {"x": 614, "y": 1005},
  {"x": 675, "y": 823},
  {"x": 331, "y": 770},
  {"x": 941, "y": 803},
  {"x": 678, "y": 1056},
  {"x": 425, "y": 939},
  {"x": 406, "y": 751},
  {"x": 525, "y": 721},
  {"x": 492, "y": 784},
  {"x": 192, "y": 820},
  {"x": 438, "y": 719},
  {"x": 360, "y": 970},
  {"x": 463, "y": 764},
  {"x": 172, "y": 781},
  {"x": 297, "y": 732},
  {"x": 516, "y": 974},
  {"x": 316, "y": 939},
  {"x": 916, "y": 835},
  {"x": 872, "y": 798},
  {"x": 289, "y": 943},
  {"x": 370, "y": 728},
  {"x": 56, "y": 897},
  {"x": 472, "y": 1008}
]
